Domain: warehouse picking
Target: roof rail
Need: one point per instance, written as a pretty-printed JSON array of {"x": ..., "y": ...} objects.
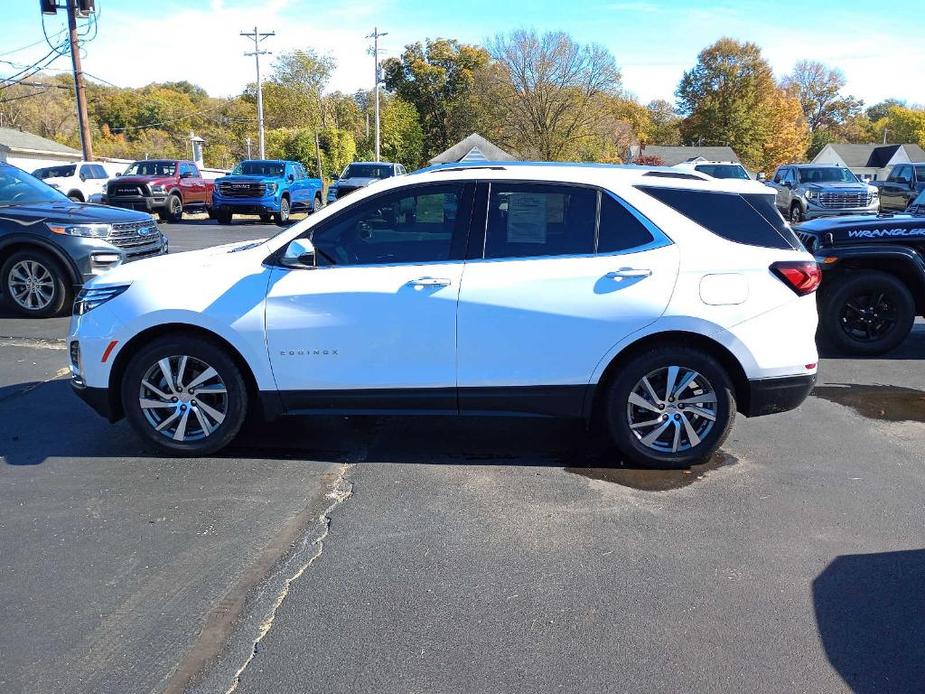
[{"x": 670, "y": 174}]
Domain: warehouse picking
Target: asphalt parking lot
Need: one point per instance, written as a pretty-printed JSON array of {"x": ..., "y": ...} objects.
[{"x": 428, "y": 554}]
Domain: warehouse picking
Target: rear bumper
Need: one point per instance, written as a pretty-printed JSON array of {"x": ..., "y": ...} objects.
[{"x": 773, "y": 395}]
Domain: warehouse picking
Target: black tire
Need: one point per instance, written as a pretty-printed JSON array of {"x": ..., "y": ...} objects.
[
  {"x": 173, "y": 208},
  {"x": 266, "y": 217},
  {"x": 866, "y": 301},
  {"x": 672, "y": 415},
  {"x": 236, "y": 404},
  {"x": 76, "y": 196},
  {"x": 318, "y": 203},
  {"x": 223, "y": 216},
  {"x": 282, "y": 217},
  {"x": 210, "y": 211},
  {"x": 796, "y": 213},
  {"x": 58, "y": 283}
]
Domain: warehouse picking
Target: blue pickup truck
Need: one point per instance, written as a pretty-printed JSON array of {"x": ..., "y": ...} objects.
[{"x": 271, "y": 188}]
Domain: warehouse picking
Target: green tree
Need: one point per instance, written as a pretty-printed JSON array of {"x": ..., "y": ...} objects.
[
  {"x": 437, "y": 78},
  {"x": 730, "y": 98},
  {"x": 665, "y": 128}
]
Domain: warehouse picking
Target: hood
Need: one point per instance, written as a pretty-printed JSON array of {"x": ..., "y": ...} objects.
[
  {"x": 356, "y": 182},
  {"x": 201, "y": 263},
  {"x": 837, "y": 186},
  {"x": 67, "y": 212},
  {"x": 859, "y": 228},
  {"x": 142, "y": 180},
  {"x": 247, "y": 178}
]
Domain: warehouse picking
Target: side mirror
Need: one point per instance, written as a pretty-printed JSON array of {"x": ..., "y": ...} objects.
[
  {"x": 761, "y": 176},
  {"x": 83, "y": 177},
  {"x": 300, "y": 253},
  {"x": 291, "y": 178},
  {"x": 118, "y": 173},
  {"x": 187, "y": 174}
]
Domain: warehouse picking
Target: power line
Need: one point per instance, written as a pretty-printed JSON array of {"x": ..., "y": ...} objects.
[{"x": 31, "y": 45}]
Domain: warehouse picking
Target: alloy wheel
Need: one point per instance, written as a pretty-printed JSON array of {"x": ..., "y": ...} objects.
[
  {"x": 868, "y": 317},
  {"x": 671, "y": 409},
  {"x": 183, "y": 398},
  {"x": 31, "y": 285}
]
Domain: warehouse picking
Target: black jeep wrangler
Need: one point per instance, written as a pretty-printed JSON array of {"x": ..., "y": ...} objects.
[{"x": 873, "y": 279}]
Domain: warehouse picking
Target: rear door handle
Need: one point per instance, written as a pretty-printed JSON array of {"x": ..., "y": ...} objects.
[
  {"x": 629, "y": 272},
  {"x": 430, "y": 282}
]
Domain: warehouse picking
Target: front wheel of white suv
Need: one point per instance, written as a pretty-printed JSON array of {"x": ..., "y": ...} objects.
[
  {"x": 670, "y": 407},
  {"x": 185, "y": 395}
]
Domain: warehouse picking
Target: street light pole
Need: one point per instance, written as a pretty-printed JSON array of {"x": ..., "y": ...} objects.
[
  {"x": 257, "y": 37},
  {"x": 375, "y": 37}
]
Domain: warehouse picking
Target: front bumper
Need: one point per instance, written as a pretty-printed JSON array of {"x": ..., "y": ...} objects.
[
  {"x": 268, "y": 204},
  {"x": 773, "y": 395},
  {"x": 813, "y": 211},
  {"x": 144, "y": 203}
]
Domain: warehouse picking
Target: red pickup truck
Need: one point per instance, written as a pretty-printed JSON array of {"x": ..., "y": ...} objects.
[{"x": 167, "y": 186}]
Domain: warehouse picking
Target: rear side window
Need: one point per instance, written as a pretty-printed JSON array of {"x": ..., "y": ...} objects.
[
  {"x": 537, "y": 219},
  {"x": 729, "y": 215},
  {"x": 619, "y": 229}
]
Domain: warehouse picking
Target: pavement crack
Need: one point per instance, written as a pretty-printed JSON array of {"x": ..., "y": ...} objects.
[{"x": 340, "y": 492}]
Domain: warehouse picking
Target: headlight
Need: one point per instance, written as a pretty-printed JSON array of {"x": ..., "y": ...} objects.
[
  {"x": 271, "y": 188},
  {"x": 811, "y": 194},
  {"x": 95, "y": 231},
  {"x": 158, "y": 190},
  {"x": 91, "y": 297}
]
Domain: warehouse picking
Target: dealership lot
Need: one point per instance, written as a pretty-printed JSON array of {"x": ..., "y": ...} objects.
[{"x": 461, "y": 555}]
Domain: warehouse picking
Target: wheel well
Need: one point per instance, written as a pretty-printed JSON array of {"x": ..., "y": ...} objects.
[
  {"x": 284, "y": 195},
  {"x": 676, "y": 338},
  {"x": 75, "y": 194},
  {"x": 900, "y": 269},
  {"x": 16, "y": 246},
  {"x": 173, "y": 329}
]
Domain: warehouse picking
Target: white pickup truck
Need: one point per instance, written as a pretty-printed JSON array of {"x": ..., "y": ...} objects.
[{"x": 82, "y": 181}]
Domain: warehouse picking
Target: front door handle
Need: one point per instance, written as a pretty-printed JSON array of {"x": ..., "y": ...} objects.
[
  {"x": 629, "y": 272},
  {"x": 430, "y": 282}
]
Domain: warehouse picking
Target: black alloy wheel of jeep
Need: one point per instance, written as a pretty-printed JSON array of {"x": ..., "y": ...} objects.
[{"x": 867, "y": 313}]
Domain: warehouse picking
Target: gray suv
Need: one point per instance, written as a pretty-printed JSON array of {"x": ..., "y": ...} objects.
[{"x": 808, "y": 191}]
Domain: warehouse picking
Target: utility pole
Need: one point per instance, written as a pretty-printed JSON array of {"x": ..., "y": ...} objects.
[
  {"x": 257, "y": 37},
  {"x": 375, "y": 37},
  {"x": 86, "y": 144}
]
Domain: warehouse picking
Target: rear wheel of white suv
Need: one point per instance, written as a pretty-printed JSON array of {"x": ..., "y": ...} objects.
[
  {"x": 670, "y": 407},
  {"x": 185, "y": 395}
]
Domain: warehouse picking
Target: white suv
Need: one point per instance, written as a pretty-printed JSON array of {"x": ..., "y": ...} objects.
[
  {"x": 653, "y": 301},
  {"x": 80, "y": 181}
]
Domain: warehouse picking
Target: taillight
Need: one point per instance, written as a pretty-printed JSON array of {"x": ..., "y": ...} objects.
[{"x": 802, "y": 276}]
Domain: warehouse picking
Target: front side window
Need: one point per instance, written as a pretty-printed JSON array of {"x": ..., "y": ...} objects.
[
  {"x": 408, "y": 226},
  {"x": 904, "y": 175},
  {"x": 538, "y": 219}
]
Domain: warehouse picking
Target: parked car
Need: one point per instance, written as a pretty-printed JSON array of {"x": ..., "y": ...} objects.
[
  {"x": 874, "y": 278},
  {"x": 716, "y": 169},
  {"x": 808, "y": 191},
  {"x": 166, "y": 186},
  {"x": 360, "y": 174},
  {"x": 901, "y": 187},
  {"x": 653, "y": 303},
  {"x": 269, "y": 188},
  {"x": 50, "y": 245},
  {"x": 80, "y": 181}
]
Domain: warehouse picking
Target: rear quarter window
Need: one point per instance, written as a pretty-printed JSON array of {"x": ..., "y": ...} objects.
[{"x": 748, "y": 219}]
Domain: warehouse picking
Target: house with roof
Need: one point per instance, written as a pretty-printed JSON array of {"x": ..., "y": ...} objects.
[
  {"x": 869, "y": 162},
  {"x": 472, "y": 148},
  {"x": 30, "y": 152},
  {"x": 672, "y": 155}
]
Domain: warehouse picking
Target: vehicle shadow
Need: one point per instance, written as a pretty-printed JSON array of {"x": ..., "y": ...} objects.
[
  {"x": 71, "y": 430},
  {"x": 870, "y": 612}
]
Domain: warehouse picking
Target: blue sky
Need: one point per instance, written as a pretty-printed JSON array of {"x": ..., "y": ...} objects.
[{"x": 654, "y": 41}]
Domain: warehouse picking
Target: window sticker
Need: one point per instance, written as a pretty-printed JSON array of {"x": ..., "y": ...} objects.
[{"x": 526, "y": 218}]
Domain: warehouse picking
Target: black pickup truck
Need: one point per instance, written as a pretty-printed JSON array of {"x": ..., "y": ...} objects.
[
  {"x": 873, "y": 277},
  {"x": 901, "y": 187}
]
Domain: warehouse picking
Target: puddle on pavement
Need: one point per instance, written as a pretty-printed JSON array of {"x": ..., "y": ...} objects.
[
  {"x": 889, "y": 403},
  {"x": 653, "y": 480}
]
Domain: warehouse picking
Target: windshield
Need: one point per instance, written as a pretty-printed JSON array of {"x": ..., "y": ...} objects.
[
  {"x": 55, "y": 172},
  {"x": 19, "y": 188},
  {"x": 259, "y": 168},
  {"x": 367, "y": 171},
  {"x": 828, "y": 174},
  {"x": 151, "y": 168},
  {"x": 723, "y": 171}
]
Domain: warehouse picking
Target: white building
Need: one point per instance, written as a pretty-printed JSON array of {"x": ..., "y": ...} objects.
[
  {"x": 30, "y": 152},
  {"x": 869, "y": 162}
]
